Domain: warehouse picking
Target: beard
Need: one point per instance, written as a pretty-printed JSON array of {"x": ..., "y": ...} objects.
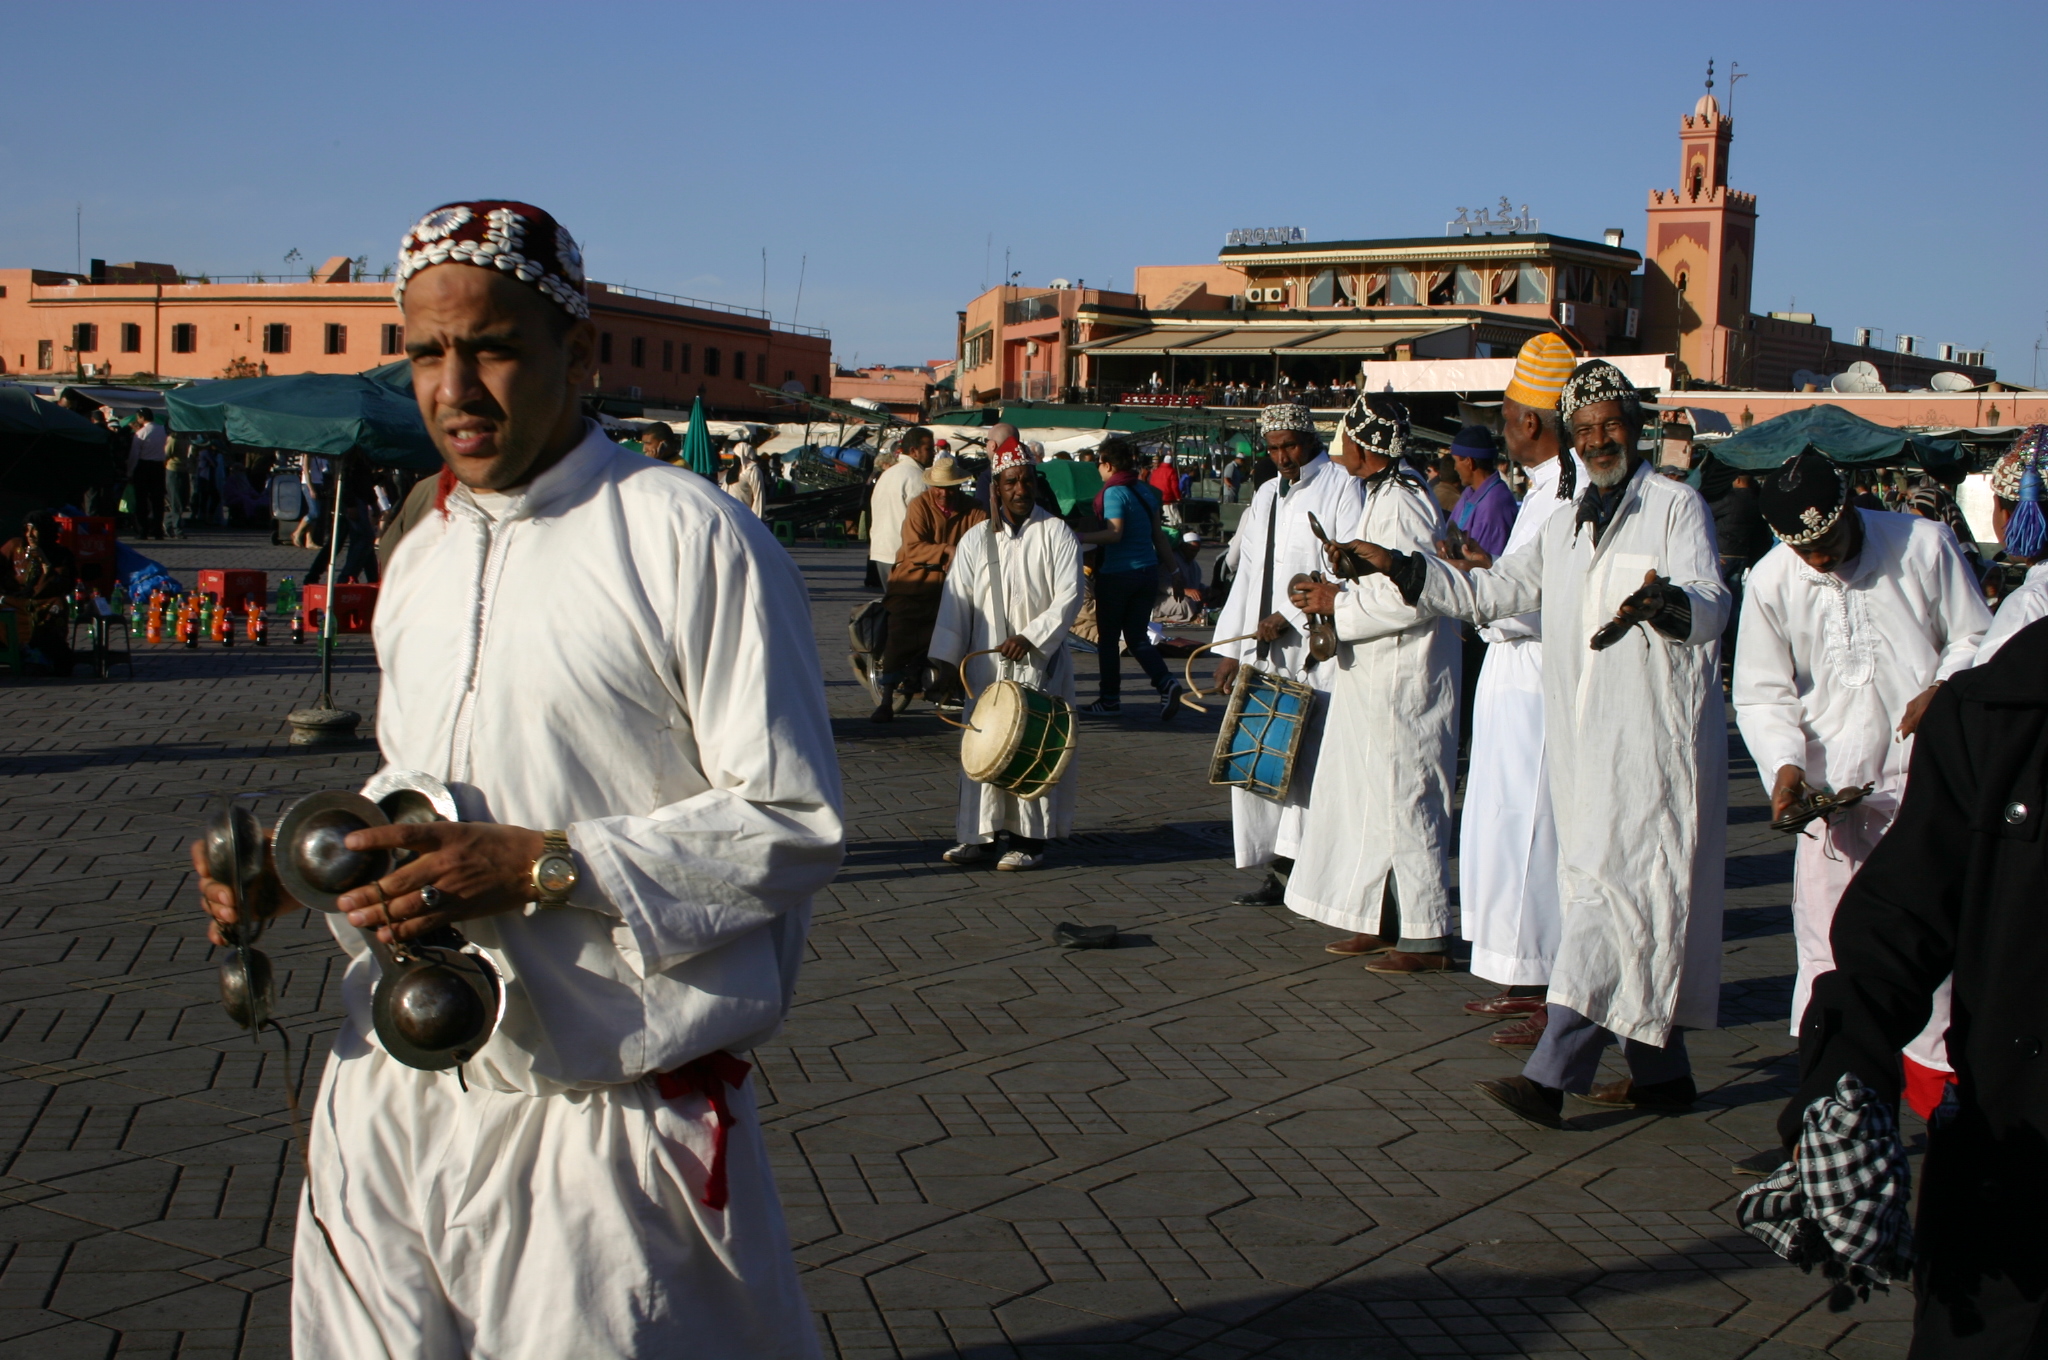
[{"x": 1607, "y": 475}]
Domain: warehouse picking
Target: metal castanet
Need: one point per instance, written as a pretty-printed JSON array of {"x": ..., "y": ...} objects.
[
  {"x": 1347, "y": 564},
  {"x": 232, "y": 846},
  {"x": 1818, "y": 804},
  {"x": 1640, "y": 608},
  {"x": 310, "y": 847},
  {"x": 1322, "y": 628}
]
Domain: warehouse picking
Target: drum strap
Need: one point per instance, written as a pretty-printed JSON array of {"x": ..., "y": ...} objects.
[
  {"x": 1266, "y": 581},
  {"x": 998, "y": 611}
]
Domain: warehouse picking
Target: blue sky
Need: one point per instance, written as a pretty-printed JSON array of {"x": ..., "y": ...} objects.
[{"x": 1897, "y": 151}]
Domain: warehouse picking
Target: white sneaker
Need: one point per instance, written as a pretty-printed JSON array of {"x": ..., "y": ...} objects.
[
  {"x": 1018, "y": 860},
  {"x": 966, "y": 854}
]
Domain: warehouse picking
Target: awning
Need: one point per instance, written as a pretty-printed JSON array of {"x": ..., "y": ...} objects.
[
  {"x": 1250, "y": 340},
  {"x": 1843, "y": 437},
  {"x": 1148, "y": 342},
  {"x": 1359, "y": 341}
]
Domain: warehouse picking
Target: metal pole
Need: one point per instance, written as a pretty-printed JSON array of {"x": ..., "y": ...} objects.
[{"x": 327, "y": 613}]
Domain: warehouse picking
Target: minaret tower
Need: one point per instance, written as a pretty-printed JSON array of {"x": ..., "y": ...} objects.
[{"x": 1701, "y": 247}]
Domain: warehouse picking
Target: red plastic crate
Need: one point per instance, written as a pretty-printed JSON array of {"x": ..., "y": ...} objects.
[
  {"x": 236, "y": 589},
  {"x": 91, "y": 540},
  {"x": 353, "y": 607}
]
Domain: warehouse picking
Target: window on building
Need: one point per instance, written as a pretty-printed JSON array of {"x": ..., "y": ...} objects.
[
  {"x": 789, "y": 375},
  {"x": 337, "y": 338},
  {"x": 817, "y": 384},
  {"x": 277, "y": 338},
  {"x": 1400, "y": 286},
  {"x": 604, "y": 348},
  {"x": 739, "y": 364},
  {"x": 1531, "y": 285},
  {"x": 184, "y": 338},
  {"x": 710, "y": 361},
  {"x": 394, "y": 338},
  {"x": 978, "y": 350},
  {"x": 683, "y": 359},
  {"x": 131, "y": 338},
  {"x": 668, "y": 356},
  {"x": 1322, "y": 290},
  {"x": 1443, "y": 292},
  {"x": 639, "y": 351},
  {"x": 85, "y": 337},
  {"x": 1734, "y": 283},
  {"x": 1466, "y": 287},
  {"x": 46, "y": 356}
]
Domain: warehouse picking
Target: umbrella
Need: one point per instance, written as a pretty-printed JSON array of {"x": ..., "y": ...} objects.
[
  {"x": 327, "y": 414},
  {"x": 396, "y": 375},
  {"x": 1842, "y": 436},
  {"x": 697, "y": 455},
  {"x": 23, "y": 412}
]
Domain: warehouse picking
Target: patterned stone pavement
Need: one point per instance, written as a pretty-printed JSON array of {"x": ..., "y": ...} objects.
[{"x": 1213, "y": 1141}]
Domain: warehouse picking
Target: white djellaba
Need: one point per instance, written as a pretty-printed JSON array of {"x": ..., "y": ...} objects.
[{"x": 621, "y": 651}]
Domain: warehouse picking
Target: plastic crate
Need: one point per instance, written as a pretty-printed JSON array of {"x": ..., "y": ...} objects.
[
  {"x": 91, "y": 541},
  {"x": 236, "y": 589},
  {"x": 353, "y": 607}
]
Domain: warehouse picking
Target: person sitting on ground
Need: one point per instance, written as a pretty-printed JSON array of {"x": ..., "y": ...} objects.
[{"x": 37, "y": 577}]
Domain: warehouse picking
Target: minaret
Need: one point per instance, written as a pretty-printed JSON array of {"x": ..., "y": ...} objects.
[{"x": 1700, "y": 251}]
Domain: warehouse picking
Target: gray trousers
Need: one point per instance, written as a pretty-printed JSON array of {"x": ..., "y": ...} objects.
[
  {"x": 1568, "y": 1056},
  {"x": 1390, "y": 915}
]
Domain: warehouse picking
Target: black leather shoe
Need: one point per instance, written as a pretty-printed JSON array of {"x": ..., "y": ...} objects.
[
  {"x": 1271, "y": 893},
  {"x": 1537, "y": 1104}
]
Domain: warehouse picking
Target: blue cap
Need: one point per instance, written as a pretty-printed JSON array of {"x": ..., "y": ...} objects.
[{"x": 1475, "y": 442}]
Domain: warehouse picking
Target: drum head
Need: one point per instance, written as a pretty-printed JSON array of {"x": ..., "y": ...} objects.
[
  {"x": 312, "y": 863},
  {"x": 996, "y": 726}
]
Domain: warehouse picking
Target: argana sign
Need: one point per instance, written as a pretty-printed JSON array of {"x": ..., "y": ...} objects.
[{"x": 1265, "y": 236}]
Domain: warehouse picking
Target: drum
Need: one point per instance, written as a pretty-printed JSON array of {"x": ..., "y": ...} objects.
[
  {"x": 1261, "y": 733},
  {"x": 1019, "y": 739}
]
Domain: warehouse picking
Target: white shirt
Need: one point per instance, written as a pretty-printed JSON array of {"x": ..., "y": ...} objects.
[
  {"x": 626, "y": 654},
  {"x": 2028, "y": 604},
  {"x": 148, "y": 445},
  {"x": 1337, "y": 500},
  {"x": 900, "y": 483}
]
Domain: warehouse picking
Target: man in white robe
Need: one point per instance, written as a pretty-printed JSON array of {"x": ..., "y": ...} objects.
[
  {"x": 752, "y": 487},
  {"x": 1637, "y": 747},
  {"x": 1375, "y": 854},
  {"x": 1013, "y": 591},
  {"x": 900, "y": 483},
  {"x": 1848, "y": 624},
  {"x": 1266, "y": 831},
  {"x": 1507, "y": 837},
  {"x": 583, "y": 640},
  {"x": 2010, "y": 484}
]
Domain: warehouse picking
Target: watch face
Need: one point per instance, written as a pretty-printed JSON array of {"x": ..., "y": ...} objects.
[{"x": 557, "y": 874}]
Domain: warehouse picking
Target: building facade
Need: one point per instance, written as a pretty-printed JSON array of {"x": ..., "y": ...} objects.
[{"x": 148, "y": 321}]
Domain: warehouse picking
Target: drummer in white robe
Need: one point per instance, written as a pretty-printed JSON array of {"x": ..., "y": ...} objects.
[
  {"x": 1036, "y": 560},
  {"x": 583, "y": 640},
  {"x": 1507, "y": 837},
  {"x": 1637, "y": 749},
  {"x": 1266, "y": 831},
  {"x": 1375, "y": 855}
]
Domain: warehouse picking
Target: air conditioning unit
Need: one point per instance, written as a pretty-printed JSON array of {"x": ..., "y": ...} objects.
[
  {"x": 1567, "y": 314},
  {"x": 1267, "y": 294},
  {"x": 1972, "y": 358},
  {"x": 1629, "y": 327},
  {"x": 1863, "y": 337},
  {"x": 1908, "y": 344}
]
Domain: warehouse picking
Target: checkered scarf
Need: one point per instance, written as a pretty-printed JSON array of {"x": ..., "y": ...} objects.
[{"x": 1842, "y": 1202}]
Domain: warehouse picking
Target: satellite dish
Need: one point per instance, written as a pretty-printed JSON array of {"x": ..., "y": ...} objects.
[
  {"x": 1950, "y": 382},
  {"x": 1867, "y": 376},
  {"x": 794, "y": 387},
  {"x": 1844, "y": 382}
]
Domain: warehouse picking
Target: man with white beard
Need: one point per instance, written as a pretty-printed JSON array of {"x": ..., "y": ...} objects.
[
  {"x": 1376, "y": 851},
  {"x": 1273, "y": 544},
  {"x": 1638, "y": 753}
]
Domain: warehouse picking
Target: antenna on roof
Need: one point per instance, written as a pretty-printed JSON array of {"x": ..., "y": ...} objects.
[{"x": 1735, "y": 73}]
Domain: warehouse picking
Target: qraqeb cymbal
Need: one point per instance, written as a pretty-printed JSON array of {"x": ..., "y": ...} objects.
[{"x": 313, "y": 861}]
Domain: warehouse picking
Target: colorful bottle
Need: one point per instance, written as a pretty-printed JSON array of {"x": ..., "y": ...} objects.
[
  {"x": 299, "y": 625},
  {"x": 287, "y": 596},
  {"x": 155, "y": 634},
  {"x": 259, "y": 629},
  {"x": 188, "y": 630}
]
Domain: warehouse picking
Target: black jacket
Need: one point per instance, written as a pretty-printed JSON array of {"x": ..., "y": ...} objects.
[{"x": 1959, "y": 885}]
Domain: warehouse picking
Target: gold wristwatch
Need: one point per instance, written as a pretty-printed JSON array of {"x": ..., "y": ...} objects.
[{"x": 554, "y": 873}]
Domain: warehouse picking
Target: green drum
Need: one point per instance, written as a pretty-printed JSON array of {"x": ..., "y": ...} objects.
[{"x": 1019, "y": 739}]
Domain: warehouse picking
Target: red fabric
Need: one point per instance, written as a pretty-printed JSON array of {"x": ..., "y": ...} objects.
[
  {"x": 1167, "y": 479},
  {"x": 1924, "y": 1087},
  {"x": 1124, "y": 478},
  {"x": 708, "y": 1076},
  {"x": 441, "y": 490}
]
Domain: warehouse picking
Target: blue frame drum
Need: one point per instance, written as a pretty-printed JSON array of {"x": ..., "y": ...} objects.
[{"x": 1261, "y": 733}]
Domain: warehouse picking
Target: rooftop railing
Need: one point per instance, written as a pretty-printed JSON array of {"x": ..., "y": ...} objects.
[{"x": 680, "y": 301}]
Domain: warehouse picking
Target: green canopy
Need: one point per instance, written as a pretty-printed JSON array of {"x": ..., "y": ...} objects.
[
  {"x": 1071, "y": 482},
  {"x": 1056, "y": 417},
  {"x": 23, "y": 412},
  {"x": 1844, "y": 437},
  {"x": 328, "y": 414},
  {"x": 396, "y": 375},
  {"x": 697, "y": 454}
]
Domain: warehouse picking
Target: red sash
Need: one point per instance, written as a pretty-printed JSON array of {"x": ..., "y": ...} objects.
[{"x": 708, "y": 1076}]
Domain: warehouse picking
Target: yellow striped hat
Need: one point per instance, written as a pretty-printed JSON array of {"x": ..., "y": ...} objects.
[{"x": 1540, "y": 370}]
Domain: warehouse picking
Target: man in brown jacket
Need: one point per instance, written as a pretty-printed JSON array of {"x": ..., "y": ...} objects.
[{"x": 932, "y": 527}]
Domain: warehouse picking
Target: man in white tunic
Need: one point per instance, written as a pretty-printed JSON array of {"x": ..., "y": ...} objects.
[
  {"x": 752, "y": 487},
  {"x": 1375, "y": 855},
  {"x": 1848, "y": 624},
  {"x": 1274, "y": 543},
  {"x": 1637, "y": 750},
  {"x": 1507, "y": 838},
  {"x": 1013, "y": 591},
  {"x": 900, "y": 483},
  {"x": 583, "y": 640},
  {"x": 2015, "y": 481}
]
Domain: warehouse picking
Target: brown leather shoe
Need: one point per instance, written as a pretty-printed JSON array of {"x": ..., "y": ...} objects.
[
  {"x": 1359, "y": 944},
  {"x": 1664, "y": 1097},
  {"x": 1506, "y": 1005},
  {"x": 1396, "y": 961},
  {"x": 1526, "y": 1032},
  {"x": 1537, "y": 1104}
]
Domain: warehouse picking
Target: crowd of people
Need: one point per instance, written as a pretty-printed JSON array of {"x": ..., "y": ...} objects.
[{"x": 651, "y": 799}]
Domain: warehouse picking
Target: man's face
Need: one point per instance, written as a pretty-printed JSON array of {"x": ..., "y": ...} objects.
[
  {"x": 1354, "y": 457},
  {"x": 1605, "y": 442},
  {"x": 1014, "y": 490},
  {"x": 496, "y": 376},
  {"x": 1289, "y": 450},
  {"x": 30, "y": 534},
  {"x": 1470, "y": 472},
  {"x": 1521, "y": 433},
  {"x": 920, "y": 454}
]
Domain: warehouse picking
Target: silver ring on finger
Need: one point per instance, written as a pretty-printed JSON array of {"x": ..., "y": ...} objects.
[{"x": 432, "y": 898}]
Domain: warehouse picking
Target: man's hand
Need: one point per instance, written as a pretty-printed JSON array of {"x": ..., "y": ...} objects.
[
  {"x": 1015, "y": 648},
  {"x": 1372, "y": 554},
  {"x": 219, "y": 899},
  {"x": 480, "y": 868},
  {"x": 1917, "y": 710},
  {"x": 1469, "y": 556},
  {"x": 1225, "y": 677},
  {"x": 1274, "y": 627},
  {"x": 1314, "y": 597},
  {"x": 1787, "y": 791}
]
